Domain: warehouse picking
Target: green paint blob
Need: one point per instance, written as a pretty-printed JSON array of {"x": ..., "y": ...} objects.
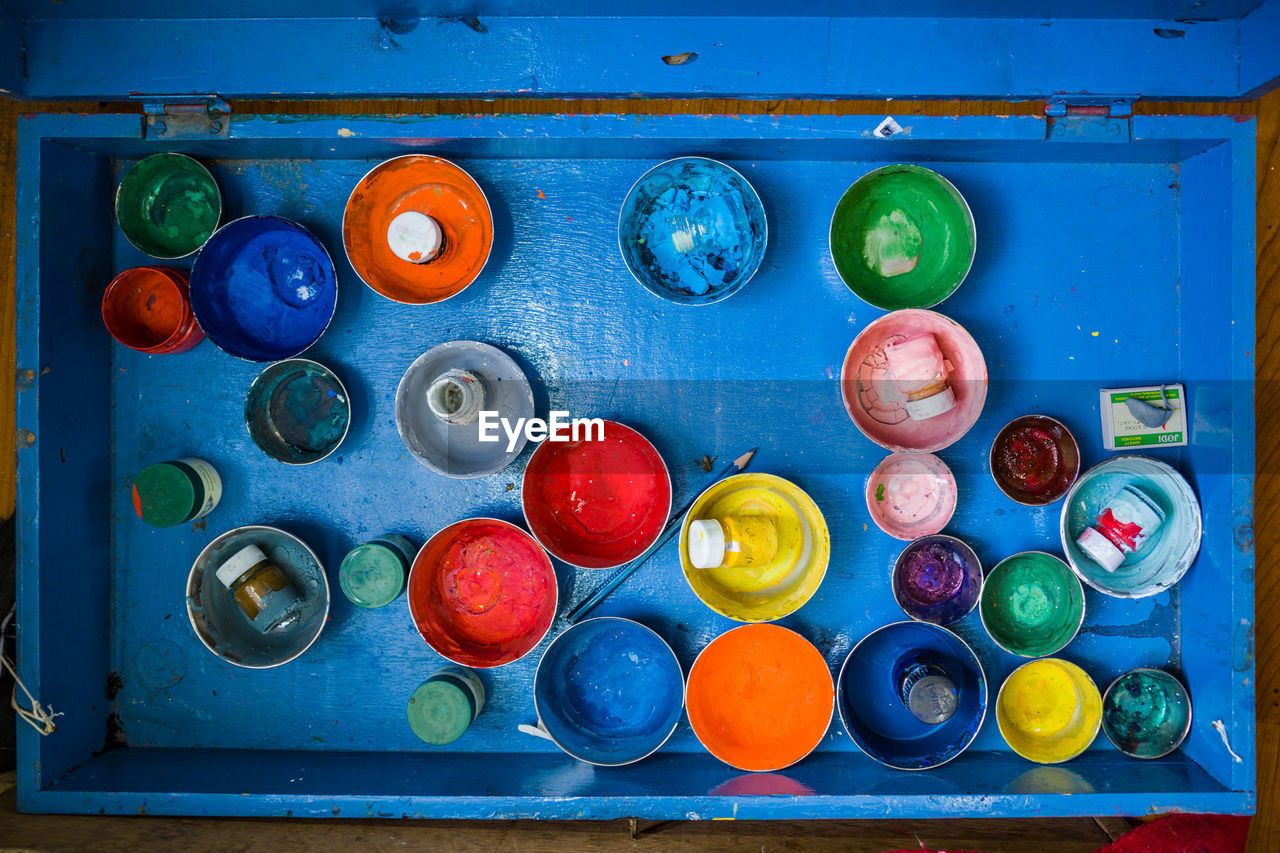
[
  {"x": 1146, "y": 713},
  {"x": 1032, "y": 604},
  {"x": 168, "y": 205},
  {"x": 902, "y": 237}
]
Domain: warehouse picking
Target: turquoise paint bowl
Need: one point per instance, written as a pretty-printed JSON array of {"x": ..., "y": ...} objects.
[
  {"x": 1146, "y": 713},
  {"x": 1167, "y": 552},
  {"x": 1031, "y": 604},
  {"x": 297, "y": 411}
]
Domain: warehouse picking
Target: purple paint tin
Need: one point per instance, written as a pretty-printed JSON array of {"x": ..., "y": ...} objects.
[{"x": 937, "y": 579}]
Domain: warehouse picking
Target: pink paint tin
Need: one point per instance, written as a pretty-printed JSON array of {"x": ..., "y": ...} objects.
[{"x": 910, "y": 495}]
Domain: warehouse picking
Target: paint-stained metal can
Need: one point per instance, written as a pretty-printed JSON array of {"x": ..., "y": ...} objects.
[
  {"x": 372, "y": 574},
  {"x": 170, "y": 493},
  {"x": 297, "y": 411},
  {"x": 445, "y": 705},
  {"x": 149, "y": 309},
  {"x": 168, "y": 205}
]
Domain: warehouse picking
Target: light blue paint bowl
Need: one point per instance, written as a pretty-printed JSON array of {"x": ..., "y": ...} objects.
[
  {"x": 874, "y": 714},
  {"x": 692, "y": 230},
  {"x": 609, "y": 691},
  {"x": 1167, "y": 553}
]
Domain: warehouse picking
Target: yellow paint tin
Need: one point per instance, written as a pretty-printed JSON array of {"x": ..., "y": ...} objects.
[
  {"x": 1049, "y": 710},
  {"x": 771, "y": 590}
]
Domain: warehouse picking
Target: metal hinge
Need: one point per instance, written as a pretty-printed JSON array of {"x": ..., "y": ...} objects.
[
  {"x": 186, "y": 117},
  {"x": 1104, "y": 118}
]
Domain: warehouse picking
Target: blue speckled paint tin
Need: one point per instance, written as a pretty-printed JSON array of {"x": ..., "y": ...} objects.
[
  {"x": 263, "y": 288},
  {"x": 609, "y": 691}
]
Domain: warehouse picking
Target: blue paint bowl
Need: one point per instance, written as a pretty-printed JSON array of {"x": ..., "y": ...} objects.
[
  {"x": 263, "y": 288},
  {"x": 609, "y": 691},
  {"x": 692, "y": 230},
  {"x": 871, "y": 705},
  {"x": 297, "y": 411},
  {"x": 1168, "y": 551}
]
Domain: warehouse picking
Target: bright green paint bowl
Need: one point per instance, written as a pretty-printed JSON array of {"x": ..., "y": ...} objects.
[
  {"x": 1032, "y": 605},
  {"x": 902, "y": 237},
  {"x": 168, "y": 205}
]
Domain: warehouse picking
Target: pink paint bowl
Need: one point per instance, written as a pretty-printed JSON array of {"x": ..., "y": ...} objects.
[
  {"x": 598, "y": 502},
  {"x": 149, "y": 309},
  {"x": 910, "y": 495},
  {"x": 482, "y": 592},
  {"x": 914, "y": 381}
]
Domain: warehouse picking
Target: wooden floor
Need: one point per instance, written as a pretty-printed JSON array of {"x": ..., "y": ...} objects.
[{"x": 52, "y": 833}]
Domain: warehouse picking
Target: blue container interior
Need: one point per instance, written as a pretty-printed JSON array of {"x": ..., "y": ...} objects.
[{"x": 1099, "y": 264}]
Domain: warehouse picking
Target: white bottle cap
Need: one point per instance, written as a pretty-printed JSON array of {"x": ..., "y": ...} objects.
[
  {"x": 239, "y": 563},
  {"x": 1100, "y": 549},
  {"x": 930, "y": 407},
  {"x": 706, "y": 544},
  {"x": 415, "y": 237}
]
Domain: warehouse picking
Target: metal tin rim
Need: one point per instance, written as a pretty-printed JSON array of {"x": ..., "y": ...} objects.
[
  {"x": 191, "y": 578},
  {"x": 1096, "y": 726},
  {"x": 983, "y": 594},
  {"x": 346, "y": 428},
  {"x": 483, "y": 197},
  {"x": 645, "y": 284},
  {"x": 1186, "y": 695},
  {"x": 870, "y": 511},
  {"x": 115, "y": 206},
  {"x": 977, "y": 662},
  {"x": 834, "y": 697},
  {"x": 991, "y": 460},
  {"x": 524, "y": 497},
  {"x": 1187, "y": 558},
  {"x": 968, "y": 210},
  {"x": 293, "y": 224},
  {"x": 955, "y": 541},
  {"x": 555, "y": 592},
  {"x": 493, "y": 351},
  {"x": 684, "y": 535},
  {"x": 844, "y": 398},
  {"x": 683, "y": 690}
]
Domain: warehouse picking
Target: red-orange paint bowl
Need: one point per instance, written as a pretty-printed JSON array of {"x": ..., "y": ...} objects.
[
  {"x": 149, "y": 309},
  {"x": 417, "y": 229},
  {"x": 890, "y": 389},
  {"x": 760, "y": 697},
  {"x": 598, "y": 501},
  {"x": 482, "y": 592}
]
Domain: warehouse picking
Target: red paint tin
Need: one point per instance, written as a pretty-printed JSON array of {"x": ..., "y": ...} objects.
[{"x": 148, "y": 309}]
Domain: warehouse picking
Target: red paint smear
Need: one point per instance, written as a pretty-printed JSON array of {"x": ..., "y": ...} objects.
[
  {"x": 482, "y": 592},
  {"x": 597, "y": 504},
  {"x": 148, "y": 309},
  {"x": 1123, "y": 534},
  {"x": 137, "y": 502},
  {"x": 541, "y": 196}
]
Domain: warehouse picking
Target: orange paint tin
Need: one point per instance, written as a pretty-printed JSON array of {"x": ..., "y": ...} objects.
[
  {"x": 417, "y": 229},
  {"x": 760, "y": 697}
]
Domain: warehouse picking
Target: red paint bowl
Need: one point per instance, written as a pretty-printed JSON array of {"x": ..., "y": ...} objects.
[
  {"x": 148, "y": 309},
  {"x": 1035, "y": 460},
  {"x": 877, "y": 403},
  {"x": 482, "y": 592},
  {"x": 598, "y": 502}
]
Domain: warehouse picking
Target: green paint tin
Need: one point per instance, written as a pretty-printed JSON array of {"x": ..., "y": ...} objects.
[
  {"x": 168, "y": 205},
  {"x": 372, "y": 574},
  {"x": 1032, "y": 605},
  {"x": 169, "y": 493},
  {"x": 1146, "y": 713},
  {"x": 445, "y": 705},
  {"x": 902, "y": 237}
]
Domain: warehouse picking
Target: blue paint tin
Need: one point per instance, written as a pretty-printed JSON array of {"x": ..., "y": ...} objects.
[
  {"x": 609, "y": 691},
  {"x": 263, "y": 288},
  {"x": 880, "y": 670},
  {"x": 298, "y": 411}
]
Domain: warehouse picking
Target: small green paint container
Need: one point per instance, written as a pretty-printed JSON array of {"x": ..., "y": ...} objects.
[
  {"x": 445, "y": 705},
  {"x": 1032, "y": 605},
  {"x": 168, "y": 205},
  {"x": 170, "y": 493},
  {"x": 373, "y": 574},
  {"x": 1146, "y": 713}
]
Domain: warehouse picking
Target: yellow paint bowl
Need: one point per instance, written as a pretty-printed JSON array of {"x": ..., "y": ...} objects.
[
  {"x": 772, "y": 589},
  {"x": 1049, "y": 710}
]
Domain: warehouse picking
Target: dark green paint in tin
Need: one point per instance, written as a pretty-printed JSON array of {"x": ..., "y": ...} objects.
[
  {"x": 1146, "y": 713},
  {"x": 1032, "y": 604},
  {"x": 168, "y": 205}
]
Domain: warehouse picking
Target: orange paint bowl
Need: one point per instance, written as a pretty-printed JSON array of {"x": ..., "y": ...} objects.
[
  {"x": 149, "y": 309},
  {"x": 482, "y": 592},
  {"x": 597, "y": 503},
  {"x": 760, "y": 697},
  {"x": 418, "y": 183}
]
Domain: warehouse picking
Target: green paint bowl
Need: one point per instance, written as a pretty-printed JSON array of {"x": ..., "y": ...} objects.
[
  {"x": 1146, "y": 713},
  {"x": 1032, "y": 605},
  {"x": 903, "y": 237},
  {"x": 168, "y": 205}
]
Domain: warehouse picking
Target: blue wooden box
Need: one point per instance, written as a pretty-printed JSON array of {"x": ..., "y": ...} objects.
[{"x": 1112, "y": 250}]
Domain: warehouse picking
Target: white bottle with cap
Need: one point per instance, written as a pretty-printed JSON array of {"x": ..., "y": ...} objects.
[
  {"x": 732, "y": 541},
  {"x": 415, "y": 237}
]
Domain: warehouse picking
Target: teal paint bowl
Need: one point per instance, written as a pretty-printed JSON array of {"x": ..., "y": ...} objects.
[
  {"x": 1032, "y": 605},
  {"x": 372, "y": 575},
  {"x": 1146, "y": 713},
  {"x": 1168, "y": 551},
  {"x": 297, "y": 411}
]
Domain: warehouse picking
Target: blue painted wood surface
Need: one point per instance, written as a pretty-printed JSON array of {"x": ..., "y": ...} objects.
[{"x": 1098, "y": 263}]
